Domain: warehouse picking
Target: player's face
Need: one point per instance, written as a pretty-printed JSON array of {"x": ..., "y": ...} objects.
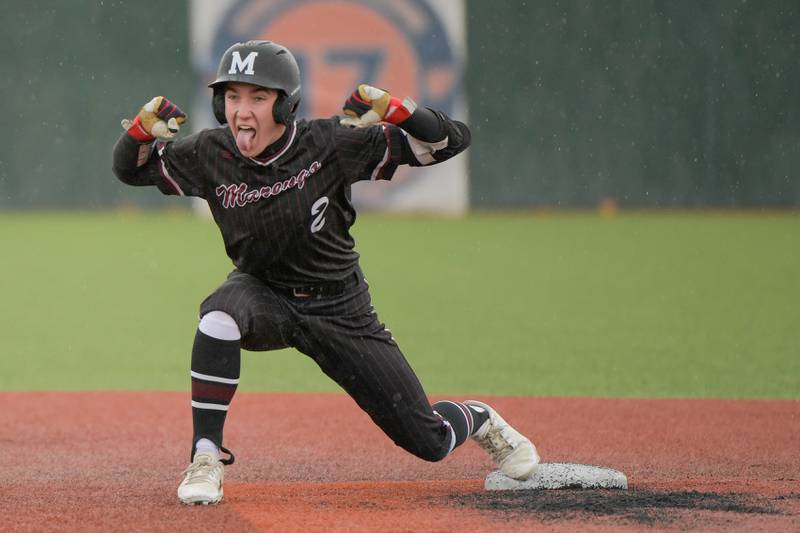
[{"x": 248, "y": 109}]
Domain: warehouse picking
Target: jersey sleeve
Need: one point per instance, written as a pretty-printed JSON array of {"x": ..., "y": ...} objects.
[
  {"x": 432, "y": 137},
  {"x": 428, "y": 137},
  {"x": 173, "y": 167},
  {"x": 369, "y": 153}
]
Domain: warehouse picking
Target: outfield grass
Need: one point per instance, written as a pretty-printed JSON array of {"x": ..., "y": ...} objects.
[{"x": 637, "y": 305}]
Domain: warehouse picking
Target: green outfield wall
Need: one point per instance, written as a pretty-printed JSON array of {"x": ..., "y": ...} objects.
[
  {"x": 71, "y": 71},
  {"x": 647, "y": 103}
]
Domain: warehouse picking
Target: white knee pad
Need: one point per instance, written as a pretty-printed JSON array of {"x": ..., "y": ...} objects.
[{"x": 220, "y": 325}]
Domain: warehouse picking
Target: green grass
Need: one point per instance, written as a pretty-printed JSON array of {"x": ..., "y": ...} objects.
[{"x": 638, "y": 305}]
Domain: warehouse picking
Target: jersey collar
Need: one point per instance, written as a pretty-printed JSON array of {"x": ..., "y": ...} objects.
[{"x": 278, "y": 148}]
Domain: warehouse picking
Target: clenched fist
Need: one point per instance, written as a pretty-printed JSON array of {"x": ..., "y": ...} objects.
[
  {"x": 369, "y": 105},
  {"x": 158, "y": 118}
]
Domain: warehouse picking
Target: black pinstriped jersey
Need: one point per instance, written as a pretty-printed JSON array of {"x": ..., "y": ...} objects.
[{"x": 285, "y": 216}]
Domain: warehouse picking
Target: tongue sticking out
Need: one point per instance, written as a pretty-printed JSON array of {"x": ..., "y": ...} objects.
[{"x": 244, "y": 140}]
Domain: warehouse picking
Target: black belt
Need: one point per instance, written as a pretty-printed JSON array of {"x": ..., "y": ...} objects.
[{"x": 316, "y": 291}]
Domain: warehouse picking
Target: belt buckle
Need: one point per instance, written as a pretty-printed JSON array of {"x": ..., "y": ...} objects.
[{"x": 297, "y": 293}]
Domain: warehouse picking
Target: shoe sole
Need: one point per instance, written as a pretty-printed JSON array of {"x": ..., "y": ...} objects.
[
  {"x": 197, "y": 500},
  {"x": 200, "y": 502}
]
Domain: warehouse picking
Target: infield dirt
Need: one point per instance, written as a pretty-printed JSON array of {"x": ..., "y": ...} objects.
[{"x": 112, "y": 461}]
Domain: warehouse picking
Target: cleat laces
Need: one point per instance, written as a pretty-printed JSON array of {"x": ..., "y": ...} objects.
[
  {"x": 204, "y": 470},
  {"x": 496, "y": 443}
]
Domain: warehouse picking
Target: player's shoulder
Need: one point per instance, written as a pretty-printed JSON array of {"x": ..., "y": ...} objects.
[
  {"x": 329, "y": 133},
  {"x": 317, "y": 125},
  {"x": 332, "y": 124},
  {"x": 203, "y": 144},
  {"x": 208, "y": 135},
  {"x": 216, "y": 138},
  {"x": 320, "y": 131},
  {"x": 217, "y": 134}
]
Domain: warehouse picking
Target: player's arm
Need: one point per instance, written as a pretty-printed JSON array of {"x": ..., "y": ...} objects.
[
  {"x": 141, "y": 156},
  {"x": 430, "y": 136}
]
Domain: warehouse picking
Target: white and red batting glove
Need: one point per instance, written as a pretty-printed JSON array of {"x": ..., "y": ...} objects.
[
  {"x": 369, "y": 105},
  {"x": 158, "y": 118}
]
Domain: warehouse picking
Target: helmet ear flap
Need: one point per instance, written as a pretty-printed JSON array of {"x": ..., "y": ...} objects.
[
  {"x": 218, "y": 105},
  {"x": 282, "y": 109}
]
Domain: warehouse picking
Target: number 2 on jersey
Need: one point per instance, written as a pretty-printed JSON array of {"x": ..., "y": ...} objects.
[{"x": 318, "y": 211}]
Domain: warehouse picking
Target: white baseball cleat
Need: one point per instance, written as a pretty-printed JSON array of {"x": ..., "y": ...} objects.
[
  {"x": 202, "y": 483},
  {"x": 512, "y": 452}
]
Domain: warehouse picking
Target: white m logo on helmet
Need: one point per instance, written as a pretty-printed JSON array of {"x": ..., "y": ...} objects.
[{"x": 239, "y": 65}]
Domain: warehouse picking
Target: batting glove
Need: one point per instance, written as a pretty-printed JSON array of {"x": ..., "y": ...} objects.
[
  {"x": 369, "y": 105},
  {"x": 158, "y": 118}
]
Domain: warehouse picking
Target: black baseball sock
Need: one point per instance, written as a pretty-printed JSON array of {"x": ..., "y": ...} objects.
[
  {"x": 215, "y": 376},
  {"x": 462, "y": 419},
  {"x": 479, "y": 416}
]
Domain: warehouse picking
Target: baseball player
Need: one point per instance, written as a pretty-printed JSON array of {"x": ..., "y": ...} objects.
[{"x": 279, "y": 190}]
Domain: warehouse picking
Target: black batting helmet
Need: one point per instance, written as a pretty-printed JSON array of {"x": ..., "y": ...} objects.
[{"x": 261, "y": 63}]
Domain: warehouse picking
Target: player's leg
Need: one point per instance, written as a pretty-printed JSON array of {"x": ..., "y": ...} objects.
[
  {"x": 357, "y": 351},
  {"x": 373, "y": 371},
  {"x": 214, "y": 377},
  {"x": 242, "y": 312}
]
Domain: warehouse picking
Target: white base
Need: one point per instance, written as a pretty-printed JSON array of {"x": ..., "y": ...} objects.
[{"x": 560, "y": 476}]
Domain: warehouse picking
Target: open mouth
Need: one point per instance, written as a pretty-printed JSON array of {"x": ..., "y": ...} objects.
[{"x": 245, "y": 136}]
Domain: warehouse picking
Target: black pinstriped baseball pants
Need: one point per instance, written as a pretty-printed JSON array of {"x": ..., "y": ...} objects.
[{"x": 343, "y": 335}]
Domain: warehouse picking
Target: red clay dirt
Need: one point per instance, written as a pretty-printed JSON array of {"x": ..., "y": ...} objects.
[{"x": 112, "y": 461}]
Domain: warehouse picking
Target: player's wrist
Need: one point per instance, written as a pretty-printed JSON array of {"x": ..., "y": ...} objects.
[
  {"x": 399, "y": 111},
  {"x": 136, "y": 131},
  {"x": 368, "y": 105}
]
